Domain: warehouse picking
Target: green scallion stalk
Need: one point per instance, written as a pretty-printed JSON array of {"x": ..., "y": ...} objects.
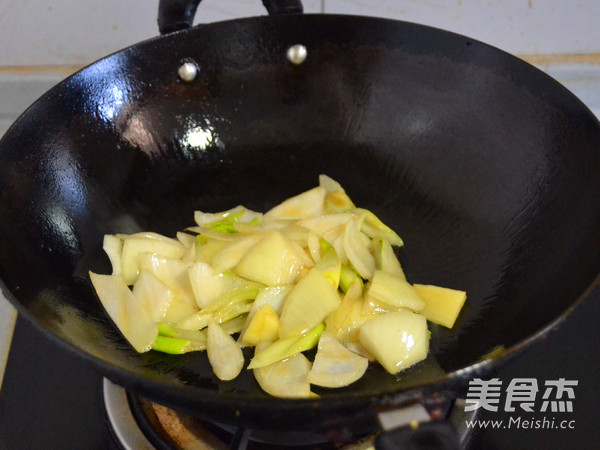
[
  {"x": 347, "y": 277},
  {"x": 176, "y": 346},
  {"x": 172, "y": 345},
  {"x": 286, "y": 348}
]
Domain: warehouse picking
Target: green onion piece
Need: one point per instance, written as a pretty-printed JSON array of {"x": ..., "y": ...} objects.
[
  {"x": 224, "y": 308},
  {"x": 310, "y": 339},
  {"x": 235, "y": 325},
  {"x": 347, "y": 277},
  {"x": 286, "y": 348},
  {"x": 373, "y": 227},
  {"x": 224, "y": 227},
  {"x": 233, "y": 311},
  {"x": 168, "y": 330},
  {"x": 325, "y": 246},
  {"x": 176, "y": 346},
  {"x": 164, "y": 329},
  {"x": 170, "y": 345},
  {"x": 227, "y": 224}
]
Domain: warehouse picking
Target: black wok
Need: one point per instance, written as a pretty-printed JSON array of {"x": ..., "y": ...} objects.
[{"x": 488, "y": 169}]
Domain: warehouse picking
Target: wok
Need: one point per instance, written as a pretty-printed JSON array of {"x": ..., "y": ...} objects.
[{"x": 487, "y": 168}]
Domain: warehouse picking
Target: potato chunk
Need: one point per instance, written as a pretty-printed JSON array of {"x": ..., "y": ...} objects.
[
  {"x": 264, "y": 326},
  {"x": 397, "y": 339},
  {"x": 309, "y": 302},
  {"x": 273, "y": 261},
  {"x": 442, "y": 305},
  {"x": 394, "y": 291}
]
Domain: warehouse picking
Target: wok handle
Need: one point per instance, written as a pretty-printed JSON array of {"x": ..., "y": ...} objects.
[
  {"x": 280, "y": 7},
  {"x": 175, "y": 15}
]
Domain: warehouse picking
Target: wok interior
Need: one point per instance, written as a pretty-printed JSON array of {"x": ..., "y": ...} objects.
[{"x": 485, "y": 167}]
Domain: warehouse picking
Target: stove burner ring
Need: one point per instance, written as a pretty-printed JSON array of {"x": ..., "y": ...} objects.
[
  {"x": 135, "y": 429},
  {"x": 121, "y": 418},
  {"x": 127, "y": 429}
]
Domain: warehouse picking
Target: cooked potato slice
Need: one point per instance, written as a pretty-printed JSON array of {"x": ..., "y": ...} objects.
[
  {"x": 397, "y": 340},
  {"x": 442, "y": 305}
]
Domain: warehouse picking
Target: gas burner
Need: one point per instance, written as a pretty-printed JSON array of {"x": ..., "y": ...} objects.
[
  {"x": 139, "y": 424},
  {"x": 120, "y": 416}
]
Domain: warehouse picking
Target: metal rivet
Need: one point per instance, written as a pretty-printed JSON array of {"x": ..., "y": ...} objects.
[
  {"x": 296, "y": 54},
  {"x": 188, "y": 71}
]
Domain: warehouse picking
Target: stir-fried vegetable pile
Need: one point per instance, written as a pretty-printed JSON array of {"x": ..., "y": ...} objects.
[{"x": 314, "y": 271}]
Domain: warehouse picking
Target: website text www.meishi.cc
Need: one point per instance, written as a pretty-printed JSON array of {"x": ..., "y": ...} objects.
[
  {"x": 536, "y": 404},
  {"x": 524, "y": 423}
]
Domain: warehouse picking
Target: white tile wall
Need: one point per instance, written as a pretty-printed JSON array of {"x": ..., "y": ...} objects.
[
  {"x": 75, "y": 32},
  {"x": 20, "y": 87},
  {"x": 517, "y": 26}
]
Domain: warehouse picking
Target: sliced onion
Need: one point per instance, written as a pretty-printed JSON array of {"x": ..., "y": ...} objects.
[
  {"x": 387, "y": 260},
  {"x": 172, "y": 272},
  {"x": 314, "y": 246},
  {"x": 373, "y": 227},
  {"x": 208, "y": 285},
  {"x": 134, "y": 246},
  {"x": 132, "y": 318},
  {"x": 189, "y": 244},
  {"x": 233, "y": 252},
  {"x": 357, "y": 250},
  {"x": 151, "y": 291},
  {"x": 346, "y": 320},
  {"x": 307, "y": 204},
  {"x": 204, "y": 219},
  {"x": 334, "y": 365},
  {"x": 286, "y": 379},
  {"x": 326, "y": 224},
  {"x": 113, "y": 247},
  {"x": 224, "y": 353}
]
